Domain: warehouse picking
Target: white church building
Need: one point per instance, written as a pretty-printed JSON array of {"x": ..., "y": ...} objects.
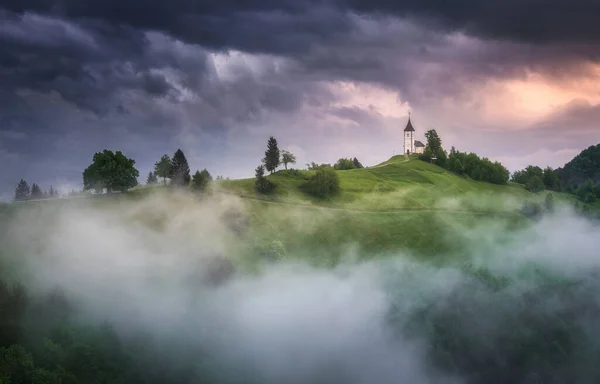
[{"x": 410, "y": 144}]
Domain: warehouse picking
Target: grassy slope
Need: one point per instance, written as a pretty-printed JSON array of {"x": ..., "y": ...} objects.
[
  {"x": 395, "y": 185},
  {"x": 395, "y": 206}
]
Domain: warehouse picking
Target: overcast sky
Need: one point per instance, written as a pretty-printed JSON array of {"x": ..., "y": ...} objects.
[{"x": 514, "y": 80}]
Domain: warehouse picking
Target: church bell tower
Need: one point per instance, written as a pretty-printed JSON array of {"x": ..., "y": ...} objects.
[{"x": 409, "y": 138}]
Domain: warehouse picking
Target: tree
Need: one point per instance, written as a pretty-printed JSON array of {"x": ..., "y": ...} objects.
[
  {"x": 551, "y": 179},
  {"x": 261, "y": 183},
  {"x": 111, "y": 170},
  {"x": 433, "y": 148},
  {"x": 180, "y": 170},
  {"x": 357, "y": 163},
  {"x": 314, "y": 166},
  {"x": 52, "y": 192},
  {"x": 477, "y": 168},
  {"x": 324, "y": 183},
  {"x": 535, "y": 184},
  {"x": 151, "y": 179},
  {"x": 271, "y": 159},
  {"x": 587, "y": 192},
  {"x": 201, "y": 179},
  {"x": 162, "y": 168},
  {"x": 344, "y": 164},
  {"x": 36, "y": 192},
  {"x": 287, "y": 158},
  {"x": 22, "y": 192}
]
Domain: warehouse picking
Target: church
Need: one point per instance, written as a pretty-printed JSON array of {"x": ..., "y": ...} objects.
[{"x": 410, "y": 144}]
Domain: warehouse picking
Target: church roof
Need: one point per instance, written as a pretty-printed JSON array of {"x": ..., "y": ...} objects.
[
  {"x": 409, "y": 127},
  {"x": 419, "y": 144}
]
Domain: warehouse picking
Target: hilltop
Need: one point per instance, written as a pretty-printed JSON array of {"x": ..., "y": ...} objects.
[{"x": 399, "y": 183}]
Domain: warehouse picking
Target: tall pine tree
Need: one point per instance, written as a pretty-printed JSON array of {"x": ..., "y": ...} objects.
[
  {"x": 272, "y": 158},
  {"x": 180, "y": 170},
  {"x": 22, "y": 192},
  {"x": 36, "y": 192},
  {"x": 151, "y": 179}
]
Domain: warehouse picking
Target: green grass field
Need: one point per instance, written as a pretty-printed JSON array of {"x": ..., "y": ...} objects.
[
  {"x": 397, "y": 206},
  {"x": 397, "y": 184},
  {"x": 400, "y": 205}
]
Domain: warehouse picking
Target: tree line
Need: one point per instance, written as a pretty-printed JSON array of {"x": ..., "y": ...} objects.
[
  {"x": 24, "y": 192},
  {"x": 323, "y": 184},
  {"x": 463, "y": 163},
  {"x": 579, "y": 177},
  {"x": 114, "y": 172}
]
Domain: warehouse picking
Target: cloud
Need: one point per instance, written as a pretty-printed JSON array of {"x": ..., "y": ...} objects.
[
  {"x": 216, "y": 78},
  {"x": 388, "y": 320}
]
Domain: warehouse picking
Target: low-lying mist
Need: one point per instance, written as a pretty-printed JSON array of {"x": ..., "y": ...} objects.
[{"x": 519, "y": 307}]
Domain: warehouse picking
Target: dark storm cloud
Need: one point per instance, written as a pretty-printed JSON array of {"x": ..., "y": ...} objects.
[
  {"x": 144, "y": 77},
  {"x": 245, "y": 24},
  {"x": 538, "y": 21},
  {"x": 88, "y": 50}
]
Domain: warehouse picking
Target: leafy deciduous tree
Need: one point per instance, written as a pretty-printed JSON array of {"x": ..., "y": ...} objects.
[
  {"x": 162, "y": 168},
  {"x": 551, "y": 179},
  {"x": 535, "y": 184},
  {"x": 201, "y": 179},
  {"x": 287, "y": 158},
  {"x": 587, "y": 192},
  {"x": 111, "y": 170},
  {"x": 324, "y": 183},
  {"x": 344, "y": 164}
]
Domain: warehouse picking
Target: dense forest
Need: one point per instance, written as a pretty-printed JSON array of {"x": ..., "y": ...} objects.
[
  {"x": 580, "y": 176},
  {"x": 582, "y": 171}
]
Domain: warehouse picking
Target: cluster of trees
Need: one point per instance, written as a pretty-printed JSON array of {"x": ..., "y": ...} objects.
[
  {"x": 25, "y": 192},
  {"x": 480, "y": 169},
  {"x": 345, "y": 164},
  {"x": 324, "y": 183},
  {"x": 274, "y": 157},
  {"x": 113, "y": 171},
  {"x": 580, "y": 176},
  {"x": 463, "y": 163},
  {"x": 536, "y": 179}
]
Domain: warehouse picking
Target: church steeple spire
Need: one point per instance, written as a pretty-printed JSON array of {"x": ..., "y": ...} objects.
[{"x": 409, "y": 127}]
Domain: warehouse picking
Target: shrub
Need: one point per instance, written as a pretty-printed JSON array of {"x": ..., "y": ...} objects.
[
  {"x": 535, "y": 184},
  {"x": 324, "y": 183},
  {"x": 274, "y": 250},
  {"x": 262, "y": 184},
  {"x": 344, "y": 164}
]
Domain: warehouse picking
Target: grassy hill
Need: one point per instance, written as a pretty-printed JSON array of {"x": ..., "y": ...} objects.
[
  {"x": 397, "y": 184},
  {"x": 397, "y": 206}
]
